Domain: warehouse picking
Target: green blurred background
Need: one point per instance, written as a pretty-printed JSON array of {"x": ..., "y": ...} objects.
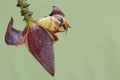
[{"x": 90, "y": 50}]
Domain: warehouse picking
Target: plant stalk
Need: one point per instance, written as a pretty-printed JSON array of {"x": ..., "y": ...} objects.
[{"x": 25, "y": 12}]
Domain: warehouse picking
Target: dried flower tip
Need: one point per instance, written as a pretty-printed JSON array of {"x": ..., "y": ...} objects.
[
  {"x": 30, "y": 13},
  {"x": 18, "y": 4},
  {"x": 25, "y": 5},
  {"x": 23, "y": 13}
]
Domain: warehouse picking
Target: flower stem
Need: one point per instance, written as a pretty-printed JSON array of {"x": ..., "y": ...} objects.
[{"x": 25, "y": 12}]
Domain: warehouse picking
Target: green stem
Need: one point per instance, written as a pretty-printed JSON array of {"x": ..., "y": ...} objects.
[{"x": 25, "y": 11}]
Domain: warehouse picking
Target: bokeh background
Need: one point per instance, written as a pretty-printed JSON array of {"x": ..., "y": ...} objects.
[{"x": 89, "y": 51}]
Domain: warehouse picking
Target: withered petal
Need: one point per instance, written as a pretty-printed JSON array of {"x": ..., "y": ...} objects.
[
  {"x": 12, "y": 36},
  {"x": 40, "y": 45},
  {"x": 55, "y": 11}
]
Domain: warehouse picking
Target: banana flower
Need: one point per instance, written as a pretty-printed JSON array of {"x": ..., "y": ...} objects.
[{"x": 39, "y": 37}]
